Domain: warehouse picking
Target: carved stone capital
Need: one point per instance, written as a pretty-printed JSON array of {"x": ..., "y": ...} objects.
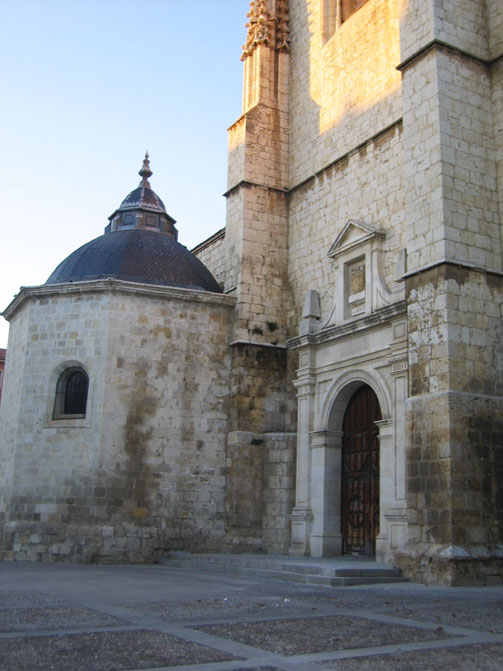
[{"x": 325, "y": 439}]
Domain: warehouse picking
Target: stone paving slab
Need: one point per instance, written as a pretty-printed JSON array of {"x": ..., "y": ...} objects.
[
  {"x": 377, "y": 598},
  {"x": 489, "y": 618},
  {"x": 105, "y": 651},
  {"x": 302, "y": 636},
  {"x": 461, "y": 658},
  {"x": 223, "y": 608},
  {"x": 18, "y": 598},
  {"x": 131, "y": 618},
  {"x": 36, "y": 619},
  {"x": 453, "y": 609}
]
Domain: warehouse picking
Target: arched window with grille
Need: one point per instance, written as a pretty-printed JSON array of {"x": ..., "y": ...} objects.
[{"x": 71, "y": 394}]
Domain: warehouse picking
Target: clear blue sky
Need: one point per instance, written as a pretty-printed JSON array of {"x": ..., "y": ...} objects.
[{"x": 86, "y": 87}]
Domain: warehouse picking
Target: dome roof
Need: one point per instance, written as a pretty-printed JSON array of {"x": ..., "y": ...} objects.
[
  {"x": 143, "y": 197},
  {"x": 136, "y": 255}
]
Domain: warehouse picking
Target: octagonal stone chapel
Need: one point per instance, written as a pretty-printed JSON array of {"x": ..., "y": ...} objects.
[{"x": 322, "y": 376}]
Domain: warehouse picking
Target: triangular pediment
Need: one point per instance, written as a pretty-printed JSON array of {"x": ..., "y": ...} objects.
[{"x": 352, "y": 235}]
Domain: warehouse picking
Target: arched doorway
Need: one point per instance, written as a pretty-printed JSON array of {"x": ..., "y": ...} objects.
[{"x": 360, "y": 473}]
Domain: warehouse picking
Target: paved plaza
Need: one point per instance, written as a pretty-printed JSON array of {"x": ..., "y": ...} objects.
[{"x": 111, "y": 618}]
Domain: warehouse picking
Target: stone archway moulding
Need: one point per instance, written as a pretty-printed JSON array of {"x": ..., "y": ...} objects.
[
  {"x": 325, "y": 538},
  {"x": 69, "y": 363},
  {"x": 50, "y": 389},
  {"x": 334, "y": 405}
]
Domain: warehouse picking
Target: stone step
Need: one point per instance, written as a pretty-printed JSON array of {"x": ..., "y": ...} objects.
[
  {"x": 339, "y": 571},
  {"x": 363, "y": 580}
]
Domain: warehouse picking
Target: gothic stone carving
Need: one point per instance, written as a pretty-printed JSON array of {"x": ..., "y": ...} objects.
[{"x": 267, "y": 25}]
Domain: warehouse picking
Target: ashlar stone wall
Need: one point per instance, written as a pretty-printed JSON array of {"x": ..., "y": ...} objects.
[
  {"x": 453, "y": 293},
  {"x": 345, "y": 142},
  {"x": 12, "y": 404},
  {"x": 51, "y": 460},
  {"x": 454, "y": 427},
  {"x": 144, "y": 471},
  {"x": 211, "y": 252},
  {"x": 345, "y": 89},
  {"x": 366, "y": 186}
]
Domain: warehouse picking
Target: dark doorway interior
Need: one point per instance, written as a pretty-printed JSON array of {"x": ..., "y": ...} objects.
[{"x": 360, "y": 473}]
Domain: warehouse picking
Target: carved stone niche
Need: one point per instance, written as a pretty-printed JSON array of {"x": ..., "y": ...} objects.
[{"x": 360, "y": 287}]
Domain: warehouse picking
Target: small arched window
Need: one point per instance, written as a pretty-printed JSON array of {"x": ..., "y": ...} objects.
[{"x": 71, "y": 394}]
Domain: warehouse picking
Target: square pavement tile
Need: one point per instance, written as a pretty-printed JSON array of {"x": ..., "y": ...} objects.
[
  {"x": 461, "y": 658},
  {"x": 320, "y": 634},
  {"x": 376, "y": 600},
  {"x": 212, "y": 609},
  {"x": 20, "y": 598},
  {"x": 486, "y": 618},
  {"x": 36, "y": 619},
  {"x": 105, "y": 651}
]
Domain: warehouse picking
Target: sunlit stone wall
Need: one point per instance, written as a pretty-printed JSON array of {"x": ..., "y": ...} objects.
[{"x": 345, "y": 141}]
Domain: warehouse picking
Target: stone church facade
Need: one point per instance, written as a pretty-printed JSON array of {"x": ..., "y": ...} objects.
[{"x": 322, "y": 376}]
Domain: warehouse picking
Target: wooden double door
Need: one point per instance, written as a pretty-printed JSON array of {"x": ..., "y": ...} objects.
[{"x": 360, "y": 473}]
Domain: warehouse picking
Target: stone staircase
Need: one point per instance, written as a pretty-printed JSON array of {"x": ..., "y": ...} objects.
[{"x": 334, "y": 572}]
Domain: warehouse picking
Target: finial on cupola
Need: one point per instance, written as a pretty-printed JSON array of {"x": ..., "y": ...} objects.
[{"x": 145, "y": 171}]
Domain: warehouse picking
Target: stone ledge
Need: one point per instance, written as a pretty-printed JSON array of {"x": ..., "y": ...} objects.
[
  {"x": 116, "y": 286},
  {"x": 348, "y": 328}
]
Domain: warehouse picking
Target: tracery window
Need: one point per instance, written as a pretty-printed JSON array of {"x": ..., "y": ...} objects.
[{"x": 71, "y": 394}]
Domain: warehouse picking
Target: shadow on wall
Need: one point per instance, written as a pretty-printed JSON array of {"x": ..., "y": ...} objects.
[
  {"x": 352, "y": 74},
  {"x": 344, "y": 89}
]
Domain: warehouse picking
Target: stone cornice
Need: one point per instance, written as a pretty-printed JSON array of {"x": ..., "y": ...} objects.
[
  {"x": 116, "y": 286},
  {"x": 446, "y": 46},
  {"x": 450, "y": 393},
  {"x": 255, "y": 343},
  {"x": 246, "y": 182},
  {"x": 209, "y": 241},
  {"x": 340, "y": 159},
  {"x": 446, "y": 261},
  {"x": 374, "y": 320},
  {"x": 319, "y": 173}
]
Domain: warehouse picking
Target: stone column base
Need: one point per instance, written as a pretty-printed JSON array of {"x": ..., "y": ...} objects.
[
  {"x": 324, "y": 545},
  {"x": 301, "y": 525}
]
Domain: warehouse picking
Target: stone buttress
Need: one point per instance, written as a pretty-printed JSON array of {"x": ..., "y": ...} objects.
[
  {"x": 256, "y": 260},
  {"x": 452, "y": 142}
]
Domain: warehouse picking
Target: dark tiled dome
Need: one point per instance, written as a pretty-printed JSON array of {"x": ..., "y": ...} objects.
[
  {"x": 136, "y": 255},
  {"x": 143, "y": 197}
]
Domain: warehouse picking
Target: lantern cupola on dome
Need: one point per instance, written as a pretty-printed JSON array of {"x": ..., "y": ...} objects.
[
  {"x": 143, "y": 208},
  {"x": 139, "y": 245}
]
